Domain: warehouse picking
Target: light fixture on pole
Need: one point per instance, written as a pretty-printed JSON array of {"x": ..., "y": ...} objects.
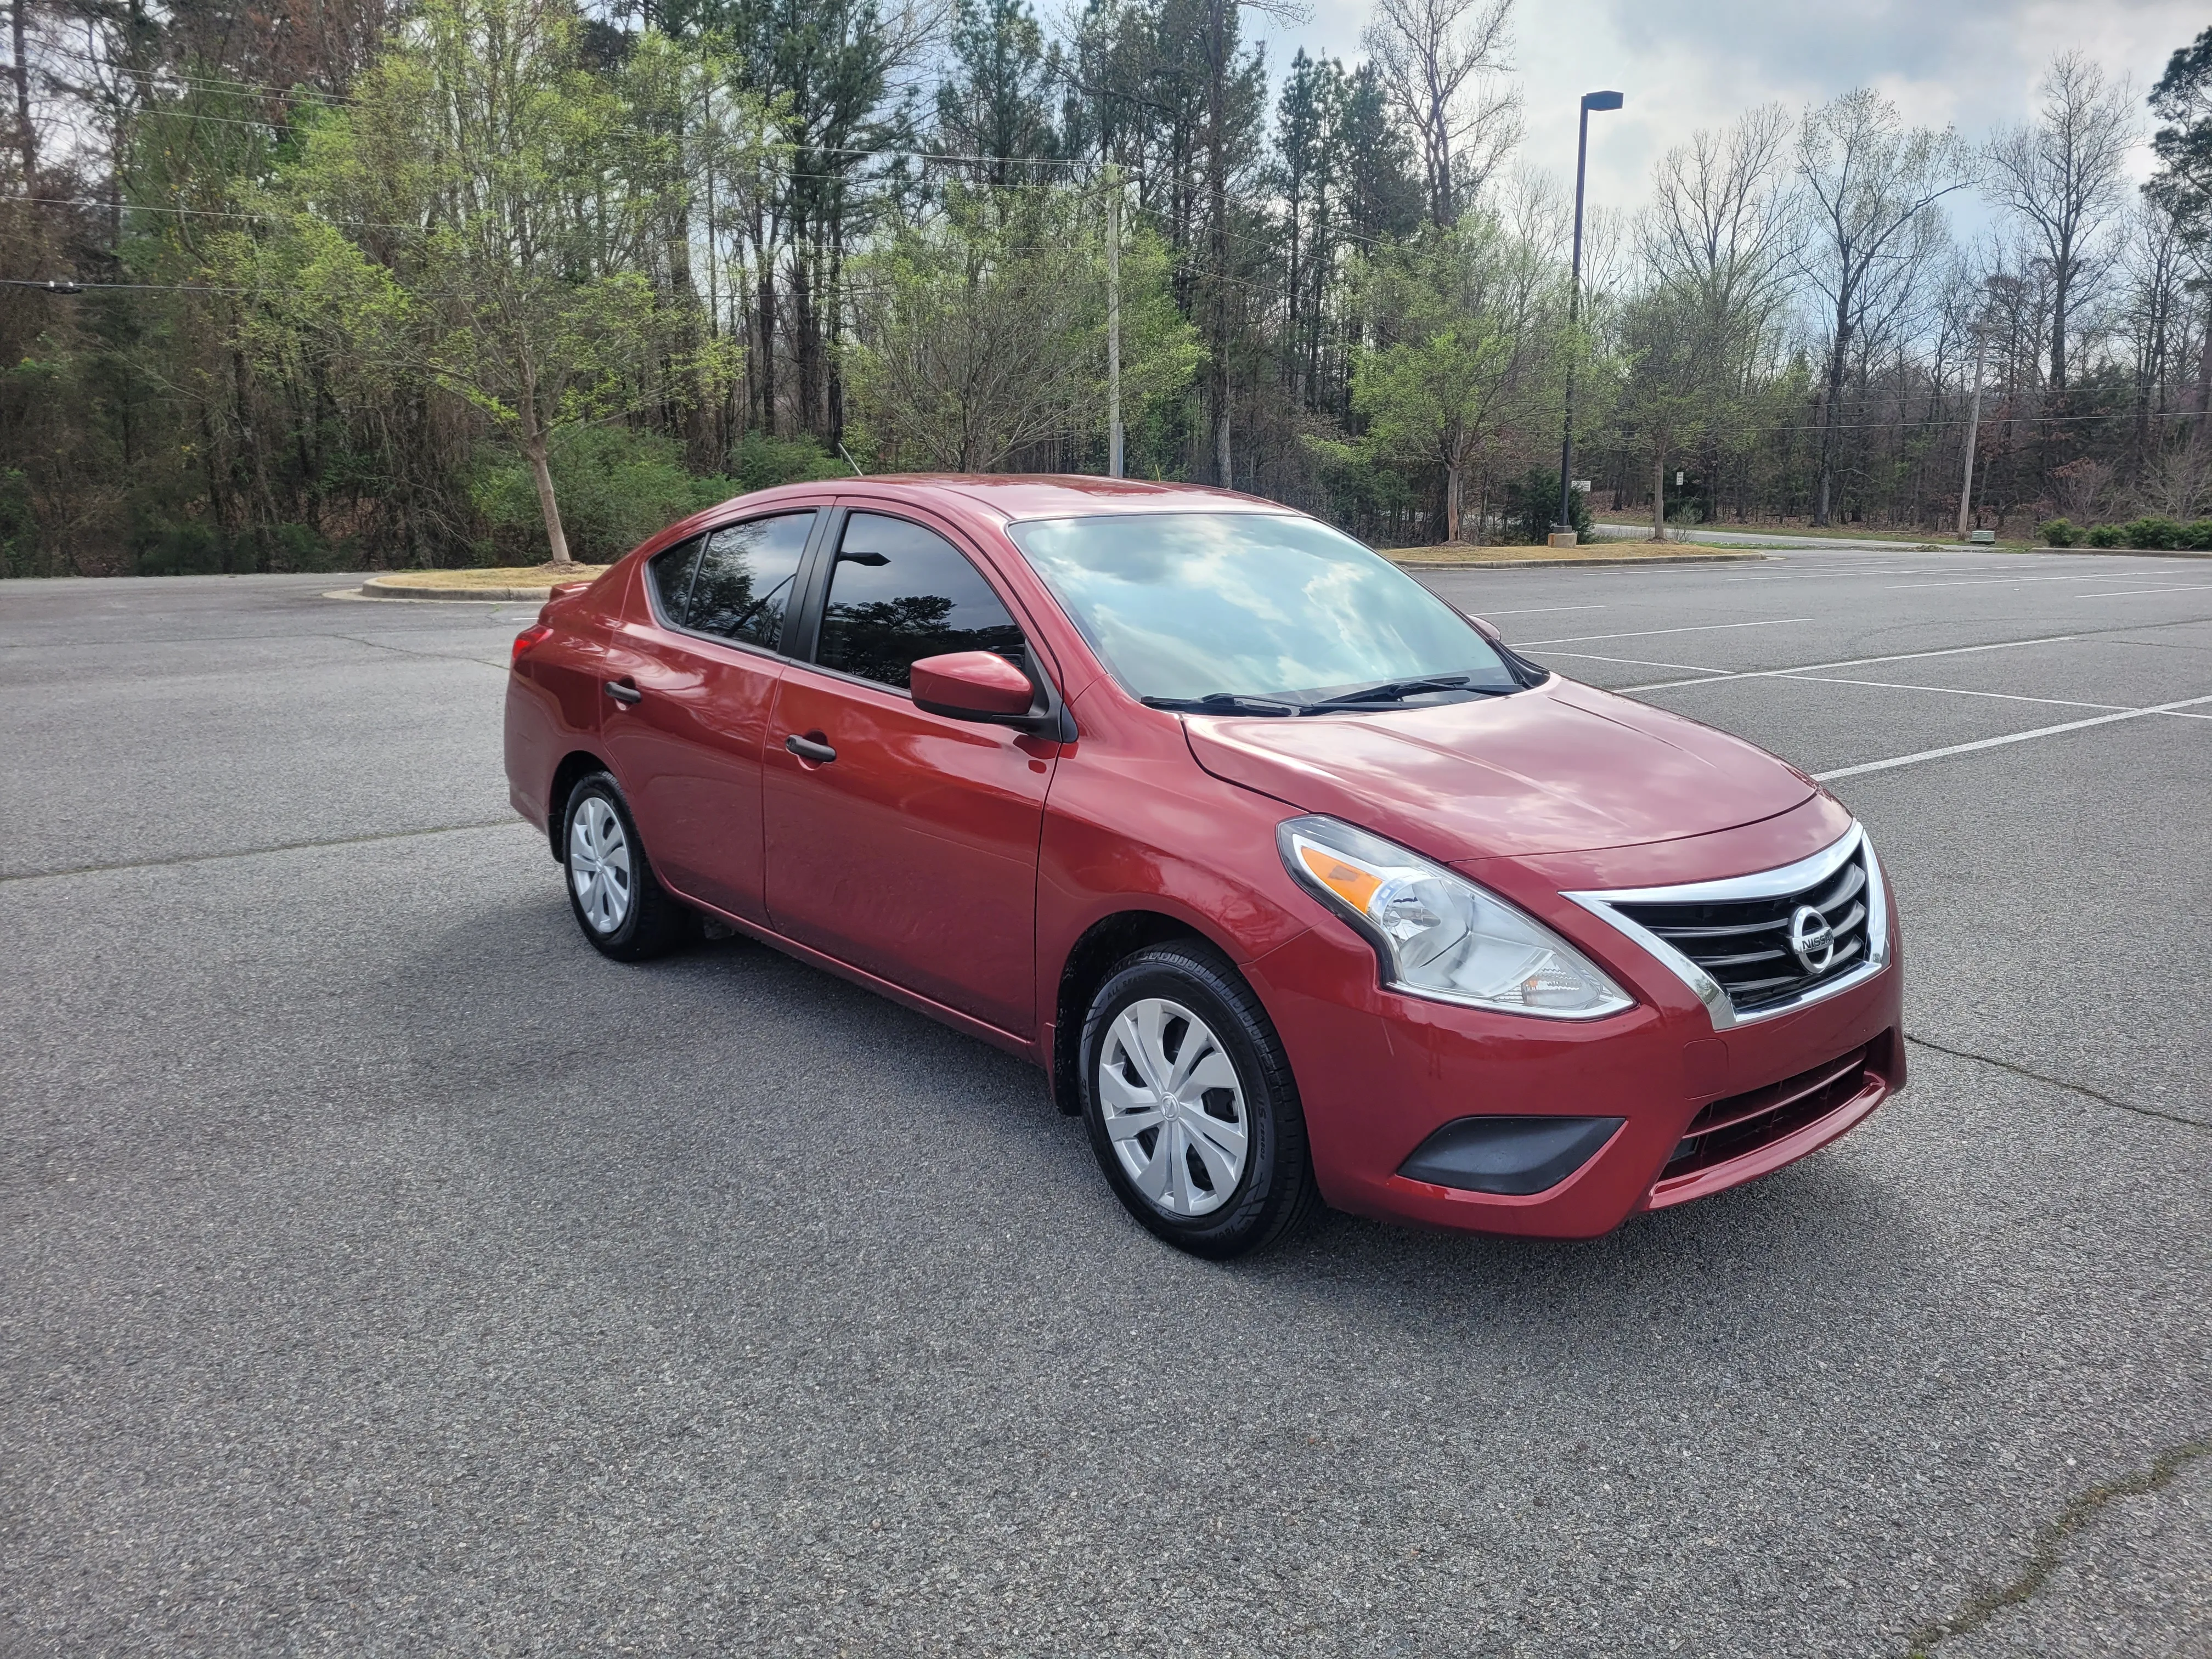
[{"x": 1563, "y": 532}]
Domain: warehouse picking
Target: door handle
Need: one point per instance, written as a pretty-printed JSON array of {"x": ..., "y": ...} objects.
[
  {"x": 807, "y": 749},
  {"x": 624, "y": 693}
]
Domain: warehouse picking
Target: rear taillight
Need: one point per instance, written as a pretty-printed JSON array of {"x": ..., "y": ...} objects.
[{"x": 526, "y": 638}]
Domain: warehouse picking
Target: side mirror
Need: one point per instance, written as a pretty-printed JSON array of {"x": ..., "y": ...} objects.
[
  {"x": 1485, "y": 627},
  {"x": 971, "y": 685}
]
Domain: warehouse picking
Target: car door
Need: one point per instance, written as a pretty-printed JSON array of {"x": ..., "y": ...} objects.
[
  {"x": 684, "y": 727},
  {"x": 903, "y": 842}
]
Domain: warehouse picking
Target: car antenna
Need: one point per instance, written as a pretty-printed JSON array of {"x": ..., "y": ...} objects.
[{"x": 849, "y": 461}]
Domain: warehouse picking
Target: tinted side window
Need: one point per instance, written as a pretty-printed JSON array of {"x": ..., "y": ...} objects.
[
  {"x": 899, "y": 593},
  {"x": 671, "y": 571},
  {"x": 745, "y": 577}
]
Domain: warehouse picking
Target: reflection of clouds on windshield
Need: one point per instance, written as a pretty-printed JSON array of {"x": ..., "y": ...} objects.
[{"x": 1183, "y": 605}]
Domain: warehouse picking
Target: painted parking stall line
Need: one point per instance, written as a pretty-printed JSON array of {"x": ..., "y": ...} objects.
[
  {"x": 1865, "y": 767},
  {"x": 1959, "y": 691},
  {"x": 1856, "y": 662},
  {"x": 1654, "y": 633}
]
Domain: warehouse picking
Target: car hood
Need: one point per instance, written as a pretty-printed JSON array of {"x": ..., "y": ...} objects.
[{"x": 1561, "y": 769}]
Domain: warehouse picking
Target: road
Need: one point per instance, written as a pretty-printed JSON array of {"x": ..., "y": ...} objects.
[{"x": 384, "y": 1273}]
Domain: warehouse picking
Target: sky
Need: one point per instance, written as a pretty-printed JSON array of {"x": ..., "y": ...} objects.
[{"x": 1684, "y": 65}]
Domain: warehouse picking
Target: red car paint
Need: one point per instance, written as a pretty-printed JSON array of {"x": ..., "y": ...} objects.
[{"x": 968, "y": 869}]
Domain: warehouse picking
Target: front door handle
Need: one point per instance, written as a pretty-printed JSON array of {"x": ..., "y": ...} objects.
[
  {"x": 624, "y": 693},
  {"x": 807, "y": 749}
]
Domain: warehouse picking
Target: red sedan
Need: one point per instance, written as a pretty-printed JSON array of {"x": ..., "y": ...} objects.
[{"x": 1302, "y": 887}]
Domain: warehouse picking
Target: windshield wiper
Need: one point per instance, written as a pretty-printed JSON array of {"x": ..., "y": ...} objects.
[
  {"x": 1398, "y": 691},
  {"x": 1224, "y": 703}
]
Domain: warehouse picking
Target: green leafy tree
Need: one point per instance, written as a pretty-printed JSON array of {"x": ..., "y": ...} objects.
[
  {"x": 1472, "y": 339},
  {"x": 982, "y": 332},
  {"x": 481, "y": 217},
  {"x": 996, "y": 103},
  {"x": 2182, "y": 100}
]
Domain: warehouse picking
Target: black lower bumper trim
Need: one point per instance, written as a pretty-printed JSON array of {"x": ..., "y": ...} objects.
[{"x": 1516, "y": 1156}]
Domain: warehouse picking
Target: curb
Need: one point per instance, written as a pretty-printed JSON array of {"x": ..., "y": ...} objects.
[
  {"x": 1574, "y": 564},
  {"x": 385, "y": 587}
]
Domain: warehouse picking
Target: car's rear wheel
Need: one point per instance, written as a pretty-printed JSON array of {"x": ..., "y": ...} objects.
[
  {"x": 1190, "y": 1103},
  {"x": 623, "y": 911}
]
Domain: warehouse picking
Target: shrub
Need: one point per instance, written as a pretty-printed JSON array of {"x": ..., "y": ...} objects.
[
  {"x": 616, "y": 487},
  {"x": 2059, "y": 533},
  {"x": 2103, "y": 535},
  {"x": 761, "y": 462},
  {"x": 1532, "y": 507},
  {"x": 2198, "y": 536},
  {"x": 2151, "y": 533},
  {"x": 18, "y": 526}
]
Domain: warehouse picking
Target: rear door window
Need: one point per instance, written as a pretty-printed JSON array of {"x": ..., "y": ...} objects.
[
  {"x": 671, "y": 572},
  {"x": 746, "y": 578},
  {"x": 898, "y": 593}
]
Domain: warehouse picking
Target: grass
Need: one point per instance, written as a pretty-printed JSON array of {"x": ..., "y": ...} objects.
[{"x": 536, "y": 575}]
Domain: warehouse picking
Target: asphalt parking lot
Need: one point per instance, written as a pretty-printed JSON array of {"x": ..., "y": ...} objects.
[{"x": 383, "y": 1272}]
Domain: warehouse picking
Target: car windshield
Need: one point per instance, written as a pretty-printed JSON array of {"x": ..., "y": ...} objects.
[{"x": 1256, "y": 612}]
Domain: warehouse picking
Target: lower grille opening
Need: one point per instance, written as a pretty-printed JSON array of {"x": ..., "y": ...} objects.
[{"x": 1736, "y": 1124}]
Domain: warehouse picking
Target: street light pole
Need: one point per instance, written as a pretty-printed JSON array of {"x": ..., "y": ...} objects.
[{"x": 1565, "y": 526}]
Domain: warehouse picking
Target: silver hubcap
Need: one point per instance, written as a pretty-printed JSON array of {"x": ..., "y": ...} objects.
[
  {"x": 598, "y": 863},
  {"x": 1174, "y": 1108}
]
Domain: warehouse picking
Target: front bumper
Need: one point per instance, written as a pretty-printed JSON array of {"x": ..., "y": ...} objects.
[{"x": 1380, "y": 1072}]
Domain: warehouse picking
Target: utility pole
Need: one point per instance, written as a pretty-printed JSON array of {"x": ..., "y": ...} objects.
[
  {"x": 1113, "y": 322},
  {"x": 1973, "y": 432},
  {"x": 1563, "y": 532}
]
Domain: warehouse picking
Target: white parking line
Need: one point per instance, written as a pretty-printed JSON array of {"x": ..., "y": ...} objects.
[
  {"x": 2008, "y": 581},
  {"x": 1952, "y": 691},
  {"x": 1541, "y": 609},
  {"x": 1866, "y": 767},
  {"x": 1829, "y": 574},
  {"x": 1654, "y": 633},
  {"x": 1851, "y": 662},
  {"x": 2129, "y": 592},
  {"x": 1639, "y": 662}
]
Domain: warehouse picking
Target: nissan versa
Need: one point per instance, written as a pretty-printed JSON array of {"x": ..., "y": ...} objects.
[{"x": 1302, "y": 886}]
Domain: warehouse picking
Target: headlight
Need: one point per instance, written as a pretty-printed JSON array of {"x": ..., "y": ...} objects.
[{"x": 1440, "y": 936}]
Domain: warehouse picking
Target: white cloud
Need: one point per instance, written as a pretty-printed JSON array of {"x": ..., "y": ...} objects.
[{"x": 1688, "y": 63}]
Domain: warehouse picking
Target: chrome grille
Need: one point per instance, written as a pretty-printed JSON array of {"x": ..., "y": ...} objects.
[
  {"x": 1746, "y": 945},
  {"x": 1736, "y": 942}
]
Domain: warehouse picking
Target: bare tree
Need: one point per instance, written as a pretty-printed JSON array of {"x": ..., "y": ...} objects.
[
  {"x": 2060, "y": 177},
  {"x": 1441, "y": 64},
  {"x": 26, "y": 134},
  {"x": 1718, "y": 243},
  {"x": 1870, "y": 189},
  {"x": 1721, "y": 216}
]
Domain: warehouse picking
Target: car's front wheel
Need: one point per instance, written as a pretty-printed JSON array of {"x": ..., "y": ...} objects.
[
  {"x": 1190, "y": 1103},
  {"x": 623, "y": 911}
]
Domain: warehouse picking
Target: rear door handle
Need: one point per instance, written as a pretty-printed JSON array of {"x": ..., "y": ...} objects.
[
  {"x": 624, "y": 693},
  {"x": 806, "y": 749}
]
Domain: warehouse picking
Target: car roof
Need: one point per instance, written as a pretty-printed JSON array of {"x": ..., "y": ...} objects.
[{"x": 1032, "y": 495}]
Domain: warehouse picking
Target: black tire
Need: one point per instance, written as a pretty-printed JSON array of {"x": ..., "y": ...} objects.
[
  {"x": 651, "y": 923},
  {"x": 1273, "y": 1195}
]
